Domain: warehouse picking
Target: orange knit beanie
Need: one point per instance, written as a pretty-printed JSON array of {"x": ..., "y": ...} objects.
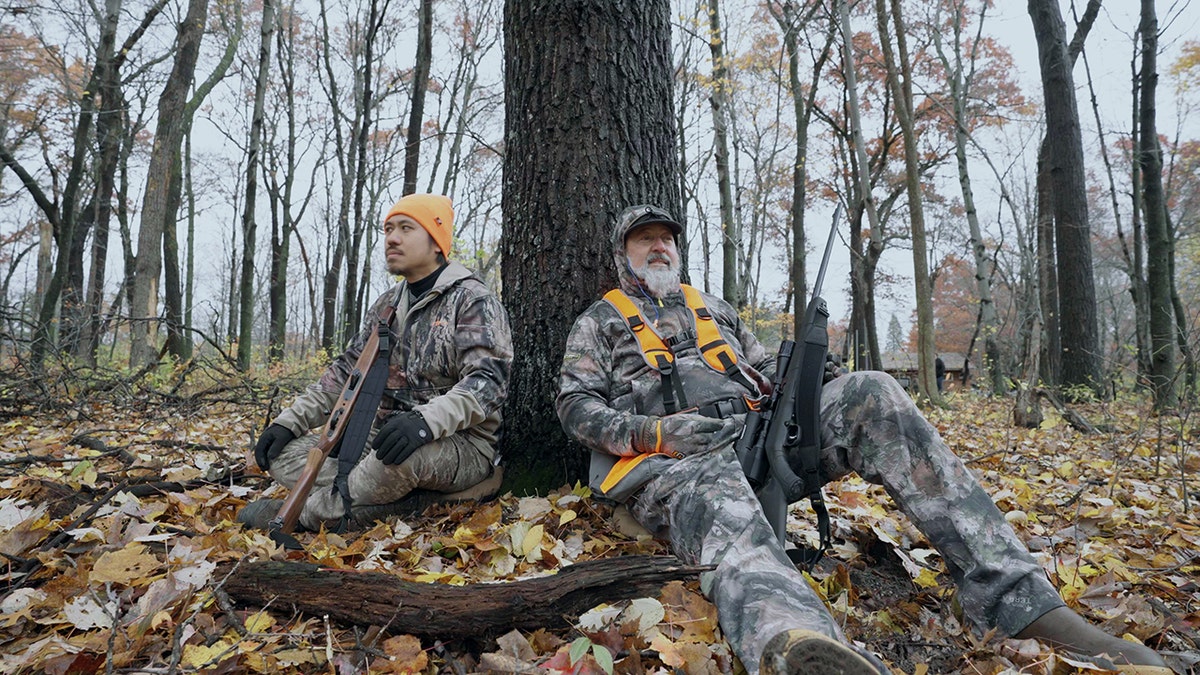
[{"x": 435, "y": 213}]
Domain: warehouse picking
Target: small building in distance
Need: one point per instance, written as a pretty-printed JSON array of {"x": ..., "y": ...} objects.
[{"x": 903, "y": 367}]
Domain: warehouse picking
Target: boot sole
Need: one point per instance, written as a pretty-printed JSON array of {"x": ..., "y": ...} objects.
[{"x": 804, "y": 651}]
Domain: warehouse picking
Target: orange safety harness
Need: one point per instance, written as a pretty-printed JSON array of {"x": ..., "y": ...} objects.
[{"x": 660, "y": 355}]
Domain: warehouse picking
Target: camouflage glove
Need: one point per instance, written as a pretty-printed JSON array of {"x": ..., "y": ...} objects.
[
  {"x": 400, "y": 436},
  {"x": 271, "y": 443},
  {"x": 683, "y": 434},
  {"x": 833, "y": 367}
]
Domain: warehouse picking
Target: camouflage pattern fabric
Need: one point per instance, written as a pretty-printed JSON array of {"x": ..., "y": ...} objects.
[
  {"x": 450, "y": 362},
  {"x": 446, "y": 465},
  {"x": 704, "y": 507}
]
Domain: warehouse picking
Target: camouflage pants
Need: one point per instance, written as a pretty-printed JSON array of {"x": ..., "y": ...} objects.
[
  {"x": 706, "y": 509},
  {"x": 446, "y": 465}
]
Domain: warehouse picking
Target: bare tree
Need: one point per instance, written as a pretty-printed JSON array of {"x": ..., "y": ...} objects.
[
  {"x": 420, "y": 83},
  {"x": 249, "y": 219},
  {"x": 900, "y": 75},
  {"x": 719, "y": 99},
  {"x": 1158, "y": 237},
  {"x": 960, "y": 78},
  {"x": 791, "y": 18}
]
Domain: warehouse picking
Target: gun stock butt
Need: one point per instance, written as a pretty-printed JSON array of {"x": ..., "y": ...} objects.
[{"x": 289, "y": 513}]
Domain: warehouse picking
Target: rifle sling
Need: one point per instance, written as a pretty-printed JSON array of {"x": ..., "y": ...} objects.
[{"x": 362, "y": 417}]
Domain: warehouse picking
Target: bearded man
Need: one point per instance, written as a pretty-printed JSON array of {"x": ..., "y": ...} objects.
[
  {"x": 656, "y": 381},
  {"x": 436, "y": 429}
]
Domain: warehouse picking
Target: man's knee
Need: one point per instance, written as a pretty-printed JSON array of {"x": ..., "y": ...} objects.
[
  {"x": 872, "y": 393},
  {"x": 287, "y": 467},
  {"x": 449, "y": 464}
]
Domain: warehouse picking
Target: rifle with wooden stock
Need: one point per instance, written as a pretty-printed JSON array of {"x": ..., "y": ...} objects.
[
  {"x": 780, "y": 448},
  {"x": 345, "y": 433}
]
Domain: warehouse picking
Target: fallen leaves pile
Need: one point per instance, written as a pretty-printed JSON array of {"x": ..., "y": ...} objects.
[{"x": 117, "y": 530}]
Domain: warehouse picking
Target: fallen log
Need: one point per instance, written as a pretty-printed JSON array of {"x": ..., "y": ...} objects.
[
  {"x": 442, "y": 611},
  {"x": 1077, "y": 421}
]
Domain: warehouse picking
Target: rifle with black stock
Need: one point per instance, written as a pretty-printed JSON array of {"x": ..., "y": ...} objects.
[
  {"x": 348, "y": 425},
  {"x": 780, "y": 448}
]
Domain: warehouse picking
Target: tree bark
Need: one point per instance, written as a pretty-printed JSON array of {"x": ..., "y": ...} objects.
[
  {"x": 178, "y": 308},
  {"x": 352, "y": 303},
  {"x": 249, "y": 223},
  {"x": 109, "y": 126},
  {"x": 900, "y": 81},
  {"x": 1158, "y": 239},
  {"x": 1051, "y": 345},
  {"x": 1081, "y": 357},
  {"x": 168, "y": 139},
  {"x": 281, "y": 197},
  {"x": 589, "y": 131},
  {"x": 864, "y": 310},
  {"x": 420, "y": 83},
  {"x": 719, "y": 101},
  {"x": 444, "y": 611}
]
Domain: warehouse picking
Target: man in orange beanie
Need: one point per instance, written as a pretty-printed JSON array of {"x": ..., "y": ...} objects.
[{"x": 437, "y": 425}]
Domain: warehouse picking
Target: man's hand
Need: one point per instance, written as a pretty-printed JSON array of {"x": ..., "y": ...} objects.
[
  {"x": 400, "y": 436},
  {"x": 684, "y": 434},
  {"x": 833, "y": 367},
  {"x": 271, "y": 443}
]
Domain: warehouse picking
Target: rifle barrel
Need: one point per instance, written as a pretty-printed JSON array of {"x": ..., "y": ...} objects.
[{"x": 828, "y": 247}]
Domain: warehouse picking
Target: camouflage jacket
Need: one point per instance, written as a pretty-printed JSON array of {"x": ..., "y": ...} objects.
[
  {"x": 606, "y": 388},
  {"x": 451, "y": 361}
]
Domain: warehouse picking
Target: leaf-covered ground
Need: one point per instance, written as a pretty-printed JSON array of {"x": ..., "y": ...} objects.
[{"x": 117, "y": 523}]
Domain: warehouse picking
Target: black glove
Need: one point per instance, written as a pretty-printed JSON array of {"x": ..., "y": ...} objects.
[
  {"x": 271, "y": 443},
  {"x": 400, "y": 436},
  {"x": 833, "y": 367}
]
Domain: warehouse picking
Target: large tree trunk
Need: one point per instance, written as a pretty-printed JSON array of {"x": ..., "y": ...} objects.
[
  {"x": 1081, "y": 357},
  {"x": 1158, "y": 239},
  {"x": 900, "y": 81},
  {"x": 588, "y": 131},
  {"x": 61, "y": 218},
  {"x": 177, "y": 301},
  {"x": 168, "y": 139}
]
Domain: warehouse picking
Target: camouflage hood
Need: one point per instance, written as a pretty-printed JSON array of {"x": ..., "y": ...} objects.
[{"x": 631, "y": 217}]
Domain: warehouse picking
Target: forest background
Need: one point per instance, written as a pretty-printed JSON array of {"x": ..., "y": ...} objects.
[
  {"x": 192, "y": 190},
  {"x": 287, "y": 235}
]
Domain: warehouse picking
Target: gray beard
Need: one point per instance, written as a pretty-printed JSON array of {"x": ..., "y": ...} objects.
[{"x": 657, "y": 281}]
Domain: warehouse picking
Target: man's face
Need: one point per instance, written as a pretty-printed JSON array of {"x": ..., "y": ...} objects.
[
  {"x": 410, "y": 250},
  {"x": 651, "y": 247}
]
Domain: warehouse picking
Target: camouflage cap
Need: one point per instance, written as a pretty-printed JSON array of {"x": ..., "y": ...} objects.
[{"x": 634, "y": 217}]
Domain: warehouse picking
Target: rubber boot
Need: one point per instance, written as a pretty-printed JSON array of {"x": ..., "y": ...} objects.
[
  {"x": 258, "y": 513},
  {"x": 812, "y": 653},
  {"x": 1061, "y": 627}
]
